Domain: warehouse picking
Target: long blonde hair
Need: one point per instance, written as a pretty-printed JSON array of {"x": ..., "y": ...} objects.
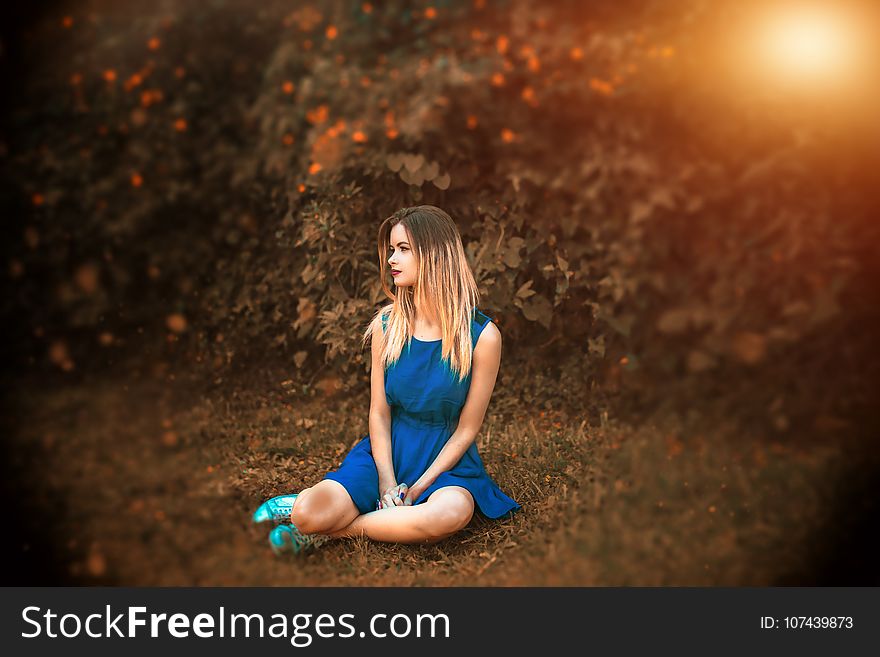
[{"x": 445, "y": 284}]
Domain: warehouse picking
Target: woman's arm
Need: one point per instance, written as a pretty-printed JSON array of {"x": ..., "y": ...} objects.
[
  {"x": 380, "y": 414},
  {"x": 484, "y": 371}
]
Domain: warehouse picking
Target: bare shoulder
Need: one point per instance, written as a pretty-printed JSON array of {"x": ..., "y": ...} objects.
[{"x": 490, "y": 338}]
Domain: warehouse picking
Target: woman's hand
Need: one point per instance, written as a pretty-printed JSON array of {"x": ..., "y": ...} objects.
[
  {"x": 386, "y": 485},
  {"x": 393, "y": 496},
  {"x": 413, "y": 493}
]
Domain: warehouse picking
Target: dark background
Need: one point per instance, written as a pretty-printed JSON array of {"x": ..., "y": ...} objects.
[{"x": 192, "y": 192}]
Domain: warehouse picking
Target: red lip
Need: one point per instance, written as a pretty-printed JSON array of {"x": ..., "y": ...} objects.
[{"x": 394, "y": 273}]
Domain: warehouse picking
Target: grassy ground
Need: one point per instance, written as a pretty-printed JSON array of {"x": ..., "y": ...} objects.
[{"x": 151, "y": 481}]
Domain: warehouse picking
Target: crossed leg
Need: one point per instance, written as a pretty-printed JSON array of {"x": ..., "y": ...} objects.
[{"x": 327, "y": 508}]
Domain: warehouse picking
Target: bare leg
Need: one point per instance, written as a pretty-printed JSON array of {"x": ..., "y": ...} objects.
[
  {"x": 323, "y": 508},
  {"x": 446, "y": 511}
]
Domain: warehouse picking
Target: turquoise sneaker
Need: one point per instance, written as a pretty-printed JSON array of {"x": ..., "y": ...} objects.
[
  {"x": 277, "y": 509},
  {"x": 287, "y": 538}
]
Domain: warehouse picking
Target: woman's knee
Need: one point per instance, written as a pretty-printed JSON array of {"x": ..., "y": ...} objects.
[
  {"x": 322, "y": 508},
  {"x": 450, "y": 514}
]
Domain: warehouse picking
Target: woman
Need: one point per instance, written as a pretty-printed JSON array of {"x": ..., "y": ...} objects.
[{"x": 435, "y": 358}]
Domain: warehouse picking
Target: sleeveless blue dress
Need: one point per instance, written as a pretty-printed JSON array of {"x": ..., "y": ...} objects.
[{"x": 426, "y": 400}]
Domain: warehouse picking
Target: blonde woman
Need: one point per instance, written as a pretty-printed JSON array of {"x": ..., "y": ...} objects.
[{"x": 417, "y": 477}]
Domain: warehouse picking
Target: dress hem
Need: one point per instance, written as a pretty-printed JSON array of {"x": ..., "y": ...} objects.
[{"x": 508, "y": 512}]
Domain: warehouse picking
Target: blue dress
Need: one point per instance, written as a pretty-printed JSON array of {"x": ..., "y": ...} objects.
[{"x": 426, "y": 400}]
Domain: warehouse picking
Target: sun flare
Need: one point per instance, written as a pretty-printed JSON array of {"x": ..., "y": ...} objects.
[{"x": 807, "y": 45}]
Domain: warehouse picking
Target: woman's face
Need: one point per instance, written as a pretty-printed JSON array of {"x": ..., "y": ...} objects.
[{"x": 402, "y": 258}]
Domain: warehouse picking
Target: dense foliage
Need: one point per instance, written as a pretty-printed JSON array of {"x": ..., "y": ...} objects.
[{"x": 213, "y": 174}]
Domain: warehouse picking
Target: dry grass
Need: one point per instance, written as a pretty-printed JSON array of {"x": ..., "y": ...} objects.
[{"x": 153, "y": 483}]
